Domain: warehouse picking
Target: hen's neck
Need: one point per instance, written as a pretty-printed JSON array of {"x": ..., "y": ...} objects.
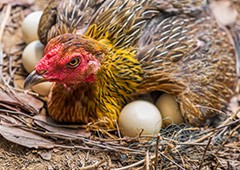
[{"x": 117, "y": 80}]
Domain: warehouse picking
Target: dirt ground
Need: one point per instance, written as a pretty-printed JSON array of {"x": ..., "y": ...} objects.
[{"x": 13, "y": 156}]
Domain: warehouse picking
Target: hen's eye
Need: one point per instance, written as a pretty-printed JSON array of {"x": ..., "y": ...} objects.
[{"x": 74, "y": 62}]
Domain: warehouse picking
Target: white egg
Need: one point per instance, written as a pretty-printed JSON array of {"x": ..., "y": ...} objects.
[
  {"x": 32, "y": 54},
  {"x": 140, "y": 116},
  {"x": 42, "y": 88},
  {"x": 30, "y": 26},
  {"x": 169, "y": 109}
]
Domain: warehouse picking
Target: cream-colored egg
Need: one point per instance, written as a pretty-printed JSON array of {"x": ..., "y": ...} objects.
[
  {"x": 169, "y": 109},
  {"x": 32, "y": 54},
  {"x": 140, "y": 116},
  {"x": 224, "y": 12},
  {"x": 42, "y": 88},
  {"x": 30, "y": 26}
]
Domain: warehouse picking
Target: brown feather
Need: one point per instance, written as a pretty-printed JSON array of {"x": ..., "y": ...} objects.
[{"x": 171, "y": 46}]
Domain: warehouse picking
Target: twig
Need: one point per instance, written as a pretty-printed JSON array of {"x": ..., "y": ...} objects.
[
  {"x": 118, "y": 130},
  {"x": 216, "y": 166},
  {"x": 135, "y": 164},
  {"x": 205, "y": 151},
  {"x": 156, "y": 152},
  {"x": 182, "y": 159},
  {"x": 94, "y": 166},
  {"x": 230, "y": 118},
  {"x": 131, "y": 166},
  {"x": 220, "y": 126},
  {"x": 1, "y": 62},
  {"x": 4, "y": 20},
  {"x": 230, "y": 134},
  {"x": 172, "y": 161},
  {"x": 147, "y": 160}
]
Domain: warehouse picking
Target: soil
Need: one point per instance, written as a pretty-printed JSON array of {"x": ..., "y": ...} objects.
[{"x": 13, "y": 156}]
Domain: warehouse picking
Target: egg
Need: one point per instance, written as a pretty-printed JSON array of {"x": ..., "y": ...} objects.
[
  {"x": 30, "y": 26},
  {"x": 42, "y": 88},
  {"x": 169, "y": 109},
  {"x": 140, "y": 116},
  {"x": 224, "y": 12},
  {"x": 32, "y": 54}
]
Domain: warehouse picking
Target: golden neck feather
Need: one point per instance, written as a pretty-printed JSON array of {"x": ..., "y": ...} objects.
[{"x": 118, "y": 78}]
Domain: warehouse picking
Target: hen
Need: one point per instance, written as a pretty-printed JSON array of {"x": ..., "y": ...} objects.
[{"x": 134, "y": 47}]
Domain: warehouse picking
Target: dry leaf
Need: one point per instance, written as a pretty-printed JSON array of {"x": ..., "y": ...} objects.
[
  {"x": 46, "y": 155},
  {"x": 47, "y": 123},
  {"x": 25, "y": 138},
  {"x": 24, "y": 101},
  {"x": 7, "y": 120}
]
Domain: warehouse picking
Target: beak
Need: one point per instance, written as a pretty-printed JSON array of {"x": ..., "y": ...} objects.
[{"x": 32, "y": 79}]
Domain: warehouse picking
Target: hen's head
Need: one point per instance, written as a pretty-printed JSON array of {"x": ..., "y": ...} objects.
[{"x": 68, "y": 59}]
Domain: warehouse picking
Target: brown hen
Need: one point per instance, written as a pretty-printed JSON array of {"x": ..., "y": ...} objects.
[{"x": 134, "y": 47}]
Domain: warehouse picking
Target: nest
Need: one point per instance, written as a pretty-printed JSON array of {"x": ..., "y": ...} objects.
[{"x": 23, "y": 120}]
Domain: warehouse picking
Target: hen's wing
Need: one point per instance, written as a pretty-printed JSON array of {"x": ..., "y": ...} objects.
[
  {"x": 66, "y": 16},
  {"x": 75, "y": 16},
  {"x": 192, "y": 59}
]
